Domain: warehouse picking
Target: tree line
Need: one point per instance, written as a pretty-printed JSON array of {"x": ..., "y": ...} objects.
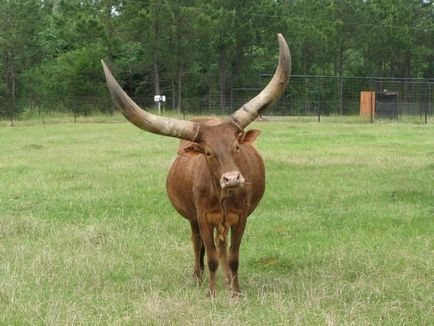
[{"x": 197, "y": 48}]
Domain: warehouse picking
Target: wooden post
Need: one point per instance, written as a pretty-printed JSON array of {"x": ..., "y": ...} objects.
[{"x": 367, "y": 104}]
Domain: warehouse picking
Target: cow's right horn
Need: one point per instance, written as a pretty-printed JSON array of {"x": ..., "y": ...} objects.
[
  {"x": 144, "y": 120},
  {"x": 271, "y": 93}
]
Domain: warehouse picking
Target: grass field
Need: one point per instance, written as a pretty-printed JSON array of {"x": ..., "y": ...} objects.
[{"x": 344, "y": 234}]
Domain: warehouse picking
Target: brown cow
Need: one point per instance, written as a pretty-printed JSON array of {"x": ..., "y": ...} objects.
[{"x": 218, "y": 178}]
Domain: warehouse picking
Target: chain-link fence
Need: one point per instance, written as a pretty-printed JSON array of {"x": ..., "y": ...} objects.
[
  {"x": 314, "y": 97},
  {"x": 343, "y": 96}
]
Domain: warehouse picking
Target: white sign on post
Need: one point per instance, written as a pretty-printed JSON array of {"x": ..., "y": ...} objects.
[{"x": 158, "y": 99}]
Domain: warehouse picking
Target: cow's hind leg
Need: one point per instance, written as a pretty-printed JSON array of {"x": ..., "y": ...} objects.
[
  {"x": 199, "y": 251},
  {"x": 202, "y": 256}
]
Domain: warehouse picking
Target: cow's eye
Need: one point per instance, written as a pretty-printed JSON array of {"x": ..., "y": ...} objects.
[
  {"x": 208, "y": 154},
  {"x": 237, "y": 148}
]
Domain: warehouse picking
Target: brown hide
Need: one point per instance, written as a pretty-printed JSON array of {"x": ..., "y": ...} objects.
[
  {"x": 190, "y": 176},
  {"x": 193, "y": 186}
]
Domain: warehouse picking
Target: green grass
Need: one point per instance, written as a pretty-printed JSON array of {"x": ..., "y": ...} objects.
[{"x": 344, "y": 234}]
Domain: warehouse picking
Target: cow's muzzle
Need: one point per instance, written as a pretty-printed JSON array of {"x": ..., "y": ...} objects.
[{"x": 231, "y": 179}]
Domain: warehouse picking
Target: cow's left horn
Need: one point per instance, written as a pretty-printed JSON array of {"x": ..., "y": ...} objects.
[
  {"x": 271, "y": 93},
  {"x": 144, "y": 120}
]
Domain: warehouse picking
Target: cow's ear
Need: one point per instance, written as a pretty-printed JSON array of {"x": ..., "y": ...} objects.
[
  {"x": 249, "y": 136},
  {"x": 191, "y": 149}
]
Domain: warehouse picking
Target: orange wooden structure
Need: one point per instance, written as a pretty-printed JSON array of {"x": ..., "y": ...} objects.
[{"x": 367, "y": 103}]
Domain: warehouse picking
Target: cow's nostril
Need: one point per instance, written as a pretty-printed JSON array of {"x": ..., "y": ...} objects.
[
  {"x": 238, "y": 177},
  {"x": 225, "y": 179}
]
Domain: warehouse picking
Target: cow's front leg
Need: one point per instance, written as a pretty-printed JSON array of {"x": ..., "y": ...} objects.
[
  {"x": 222, "y": 236},
  {"x": 237, "y": 232},
  {"x": 198, "y": 251},
  {"x": 206, "y": 232}
]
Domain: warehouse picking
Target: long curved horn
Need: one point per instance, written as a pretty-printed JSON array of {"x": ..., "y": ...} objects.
[
  {"x": 144, "y": 120},
  {"x": 271, "y": 93}
]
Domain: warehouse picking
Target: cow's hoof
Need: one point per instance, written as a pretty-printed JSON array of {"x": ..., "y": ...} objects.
[
  {"x": 197, "y": 277},
  {"x": 236, "y": 292},
  {"x": 236, "y": 295},
  {"x": 211, "y": 293}
]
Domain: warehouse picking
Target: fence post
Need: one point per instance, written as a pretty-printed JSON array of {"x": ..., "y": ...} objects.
[
  {"x": 421, "y": 108},
  {"x": 428, "y": 106},
  {"x": 74, "y": 108},
  {"x": 341, "y": 95},
  {"x": 318, "y": 99},
  {"x": 370, "y": 102},
  {"x": 12, "y": 112},
  {"x": 41, "y": 117}
]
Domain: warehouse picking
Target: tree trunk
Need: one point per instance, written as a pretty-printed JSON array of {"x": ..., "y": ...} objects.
[
  {"x": 209, "y": 99},
  {"x": 407, "y": 65},
  {"x": 340, "y": 74},
  {"x": 109, "y": 30},
  {"x": 156, "y": 57},
  {"x": 156, "y": 77},
  {"x": 10, "y": 82},
  {"x": 10, "y": 74},
  {"x": 239, "y": 58},
  {"x": 179, "y": 60},
  {"x": 173, "y": 93},
  {"x": 222, "y": 75},
  {"x": 179, "y": 89},
  {"x": 306, "y": 87}
]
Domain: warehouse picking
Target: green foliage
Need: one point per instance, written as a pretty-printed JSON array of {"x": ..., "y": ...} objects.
[
  {"x": 70, "y": 74},
  {"x": 202, "y": 49}
]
